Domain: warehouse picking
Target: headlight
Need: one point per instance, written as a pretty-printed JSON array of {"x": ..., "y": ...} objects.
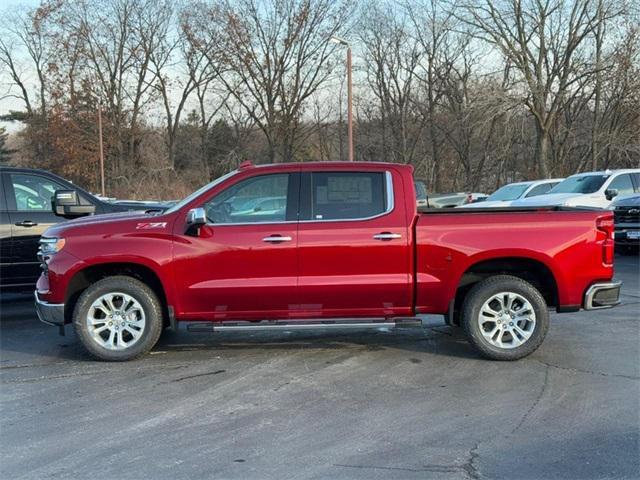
[{"x": 49, "y": 246}]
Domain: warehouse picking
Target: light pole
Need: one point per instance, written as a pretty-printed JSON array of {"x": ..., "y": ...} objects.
[
  {"x": 101, "y": 148},
  {"x": 349, "y": 94}
]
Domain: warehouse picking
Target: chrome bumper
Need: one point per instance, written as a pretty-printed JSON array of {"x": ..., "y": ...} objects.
[
  {"x": 50, "y": 313},
  {"x": 602, "y": 295}
]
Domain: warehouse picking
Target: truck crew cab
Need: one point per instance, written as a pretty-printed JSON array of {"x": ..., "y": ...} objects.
[{"x": 347, "y": 248}]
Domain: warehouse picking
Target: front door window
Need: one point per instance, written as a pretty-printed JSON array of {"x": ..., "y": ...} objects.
[{"x": 33, "y": 193}]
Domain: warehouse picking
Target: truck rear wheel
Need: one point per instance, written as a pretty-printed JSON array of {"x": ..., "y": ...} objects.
[
  {"x": 118, "y": 318},
  {"x": 505, "y": 317}
]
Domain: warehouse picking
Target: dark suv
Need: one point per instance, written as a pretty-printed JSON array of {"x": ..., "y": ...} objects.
[
  {"x": 26, "y": 212},
  {"x": 626, "y": 212}
]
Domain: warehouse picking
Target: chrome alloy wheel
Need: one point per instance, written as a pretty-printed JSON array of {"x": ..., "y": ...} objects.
[
  {"x": 116, "y": 321},
  {"x": 507, "y": 320}
]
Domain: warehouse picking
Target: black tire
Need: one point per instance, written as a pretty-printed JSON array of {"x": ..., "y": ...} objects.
[
  {"x": 481, "y": 293},
  {"x": 145, "y": 297}
]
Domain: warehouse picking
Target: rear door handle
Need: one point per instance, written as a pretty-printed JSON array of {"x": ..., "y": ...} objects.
[
  {"x": 276, "y": 239},
  {"x": 387, "y": 236},
  {"x": 26, "y": 223}
]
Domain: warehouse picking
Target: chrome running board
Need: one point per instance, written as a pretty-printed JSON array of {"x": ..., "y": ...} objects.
[{"x": 244, "y": 326}]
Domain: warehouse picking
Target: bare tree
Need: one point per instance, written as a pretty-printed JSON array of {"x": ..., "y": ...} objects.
[
  {"x": 542, "y": 41},
  {"x": 115, "y": 36},
  {"x": 434, "y": 27},
  {"x": 276, "y": 55},
  {"x": 25, "y": 36},
  {"x": 392, "y": 57}
]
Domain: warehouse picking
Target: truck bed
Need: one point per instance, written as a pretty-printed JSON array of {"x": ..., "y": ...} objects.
[{"x": 454, "y": 242}]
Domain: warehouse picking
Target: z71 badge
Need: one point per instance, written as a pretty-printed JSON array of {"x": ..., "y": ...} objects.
[{"x": 149, "y": 225}]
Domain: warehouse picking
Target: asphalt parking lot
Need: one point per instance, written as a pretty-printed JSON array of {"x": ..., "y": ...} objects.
[{"x": 378, "y": 404}]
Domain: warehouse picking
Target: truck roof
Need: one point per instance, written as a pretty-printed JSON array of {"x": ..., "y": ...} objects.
[{"x": 324, "y": 165}]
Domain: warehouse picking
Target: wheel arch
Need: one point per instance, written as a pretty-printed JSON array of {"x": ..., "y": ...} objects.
[
  {"x": 531, "y": 270},
  {"x": 87, "y": 276}
]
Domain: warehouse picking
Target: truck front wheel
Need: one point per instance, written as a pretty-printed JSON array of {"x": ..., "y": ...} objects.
[
  {"x": 505, "y": 317},
  {"x": 118, "y": 318}
]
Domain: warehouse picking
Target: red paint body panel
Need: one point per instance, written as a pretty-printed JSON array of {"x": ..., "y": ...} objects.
[
  {"x": 220, "y": 272},
  {"x": 345, "y": 272},
  {"x": 565, "y": 241},
  {"x": 329, "y": 268}
]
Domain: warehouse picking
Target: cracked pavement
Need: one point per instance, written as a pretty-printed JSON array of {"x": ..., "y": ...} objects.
[{"x": 381, "y": 404}]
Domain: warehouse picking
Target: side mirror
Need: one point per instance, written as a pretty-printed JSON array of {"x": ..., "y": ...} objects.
[
  {"x": 67, "y": 203},
  {"x": 196, "y": 217},
  {"x": 610, "y": 193}
]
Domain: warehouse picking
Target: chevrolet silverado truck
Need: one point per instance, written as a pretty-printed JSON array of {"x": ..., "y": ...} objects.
[{"x": 347, "y": 248}]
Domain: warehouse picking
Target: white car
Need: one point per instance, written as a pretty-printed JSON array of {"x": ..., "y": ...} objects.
[
  {"x": 505, "y": 196},
  {"x": 592, "y": 189}
]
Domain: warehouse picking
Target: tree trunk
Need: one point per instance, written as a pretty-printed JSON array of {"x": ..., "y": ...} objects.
[
  {"x": 437, "y": 164},
  {"x": 542, "y": 151}
]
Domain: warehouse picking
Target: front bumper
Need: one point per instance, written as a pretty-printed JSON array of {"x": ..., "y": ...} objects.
[
  {"x": 627, "y": 236},
  {"x": 49, "y": 313},
  {"x": 602, "y": 295}
]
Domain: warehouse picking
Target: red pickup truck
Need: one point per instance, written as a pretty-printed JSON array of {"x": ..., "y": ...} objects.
[{"x": 322, "y": 245}]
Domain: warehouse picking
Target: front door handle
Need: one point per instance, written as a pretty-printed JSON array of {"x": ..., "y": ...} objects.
[
  {"x": 276, "y": 239},
  {"x": 387, "y": 236},
  {"x": 26, "y": 223}
]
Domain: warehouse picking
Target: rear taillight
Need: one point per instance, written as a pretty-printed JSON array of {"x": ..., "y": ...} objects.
[{"x": 605, "y": 227}]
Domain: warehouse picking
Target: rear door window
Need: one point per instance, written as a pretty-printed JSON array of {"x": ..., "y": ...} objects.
[{"x": 347, "y": 195}]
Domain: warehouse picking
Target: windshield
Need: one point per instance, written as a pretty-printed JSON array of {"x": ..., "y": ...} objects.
[
  {"x": 199, "y": 192},
  {"x": 580, "y": 184},
  {"x": 509, "y": 192}
]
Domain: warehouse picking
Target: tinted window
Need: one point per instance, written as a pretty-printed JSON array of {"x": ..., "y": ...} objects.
[
  {"x": 347, "y": 195},
  {"x": 623, "y": 184},
  {"x": 256, "y": 199},
  {"x": 581, "y": 184},
  {"x": 509, "y": 192},
  {"x": 33, "y": 192},
  {"x": 636, "y": 178},
  {"x": 540, "y": 189}
]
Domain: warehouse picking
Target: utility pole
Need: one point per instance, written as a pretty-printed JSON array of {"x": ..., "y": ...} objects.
[
  {"x": 349, "y": 94},
  {"x": 102, "y": 191}
]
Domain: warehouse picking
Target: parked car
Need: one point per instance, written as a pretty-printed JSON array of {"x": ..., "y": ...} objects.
[
  {"x": 506, "y": 195},
  {"x": 451, "y": 200},
  {"x": 26, "y": 212},
  {"x": 349, "y": 250},
  {"x": 592, "y": 189},
  {"x": 626, "y": 213}
]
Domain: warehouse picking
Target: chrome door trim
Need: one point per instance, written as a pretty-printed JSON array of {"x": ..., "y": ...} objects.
[
  {"x": 387, "y": 236},
  {"x": 274, "y": 239}
]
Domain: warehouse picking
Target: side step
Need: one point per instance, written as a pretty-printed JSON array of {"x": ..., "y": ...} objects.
[{"x": 244, "y": 326}]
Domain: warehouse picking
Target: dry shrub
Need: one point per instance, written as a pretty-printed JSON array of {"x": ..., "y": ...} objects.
[{"x": 156, "y": 178}]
